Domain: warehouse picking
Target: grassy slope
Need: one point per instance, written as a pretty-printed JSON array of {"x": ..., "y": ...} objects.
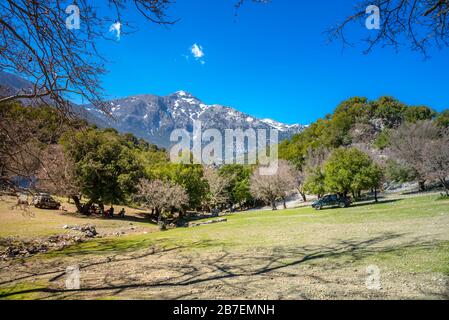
[
  {"x": 409, "y": 235},
  {"x": 307, "y": 227},
  {"x": 289, "y": 227}
]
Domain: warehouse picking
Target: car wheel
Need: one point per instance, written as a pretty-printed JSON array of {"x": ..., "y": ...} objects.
[
  {"x": 342, "y": 205},
  {"x": 319, "y": 207}
]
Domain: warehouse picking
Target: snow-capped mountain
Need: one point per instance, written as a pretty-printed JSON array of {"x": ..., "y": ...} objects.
[{"x": 153, "y": 118}]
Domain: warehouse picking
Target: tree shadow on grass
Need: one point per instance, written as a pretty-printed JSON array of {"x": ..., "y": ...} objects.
[
  {"x": 364, "y": 204},
  {"x": 370, "y": 203},
  {"x": 135, "y": 218},
  {"x": 242, "y": 268},
  {"x": 130, "y": 250}
]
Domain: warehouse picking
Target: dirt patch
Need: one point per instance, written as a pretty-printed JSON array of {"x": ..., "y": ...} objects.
[
  {"x": 332, "y": 271},
  {"x": 335, "y": 271}
]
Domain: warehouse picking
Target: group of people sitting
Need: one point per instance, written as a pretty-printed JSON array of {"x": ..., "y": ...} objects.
[
  {"x": 110, "y": 213},
  {"x": 107, "y": 213}
]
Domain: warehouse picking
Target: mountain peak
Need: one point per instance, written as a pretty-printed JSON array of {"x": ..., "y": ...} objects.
[{"x": 183, "y": 94}]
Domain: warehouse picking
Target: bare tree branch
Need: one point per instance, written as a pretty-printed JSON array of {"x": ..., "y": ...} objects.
[
  {"x": 62, "y": 63},
  {"x": 418, "y": 24}
]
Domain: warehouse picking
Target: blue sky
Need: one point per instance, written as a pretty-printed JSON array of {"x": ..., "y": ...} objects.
[{"x": 271, "y": 61}]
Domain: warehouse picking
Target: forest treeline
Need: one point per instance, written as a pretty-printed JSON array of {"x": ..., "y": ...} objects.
[
  {"x": 390, "y": 140},
  {"x": 362, "y": 147}
]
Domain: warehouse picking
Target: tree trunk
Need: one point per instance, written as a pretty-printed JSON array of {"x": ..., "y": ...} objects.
[
  {"x": 375, "y": 195},
  {"x": 273, "y": 205},
  {"x": 302, "y": 193},
  {"x": 160, "y": 220},
  {"x": 422, "y": 185},
  {"x": 285, "y": 203},
  {"x": 86, "y": 207},
  {"x": 80, "y": 208}
]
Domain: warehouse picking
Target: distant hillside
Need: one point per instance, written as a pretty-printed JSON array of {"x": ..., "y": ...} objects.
[
  {"x": 11, "y": 84},
  {"x": 357, "y": 122}
]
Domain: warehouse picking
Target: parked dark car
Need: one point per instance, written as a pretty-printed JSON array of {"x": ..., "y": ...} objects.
[
  {"x": 331, "y": 201},
  {"x": 45, "y": 201}
]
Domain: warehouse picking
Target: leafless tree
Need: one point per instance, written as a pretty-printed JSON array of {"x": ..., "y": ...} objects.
[
  {"x": 24, "y": 136},
  {"x": 291, "y": 180},
  {"x": 62, "y": 62},
  {"x": 217, "y": 195},
  {"x": 19, "y": 148},
  {"x": 56, "y": 175},
  {"x": 36, "y": 44},
  {"x": 420, "y": 23},
  {"x": 161, "y": 196},
  {"x": 270, "y": 188},
  {"x": 409, "y": 143},
  {"x": 363, "y": 133},
  {"x": 316, "y": 157},
  {"x": 296, "y": 177},
  {"x": 436, "y": 160}
]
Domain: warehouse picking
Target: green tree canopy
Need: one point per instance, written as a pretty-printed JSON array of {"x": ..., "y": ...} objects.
[
  {"x": 443, "y": 119},
  {"x": 314, "y": 183},
  {"x": 346, "y": 169},
  {"x": 239, "y": 183},
  {"x": 419, "y": 113},
  {"x": 106, "y": 169}
]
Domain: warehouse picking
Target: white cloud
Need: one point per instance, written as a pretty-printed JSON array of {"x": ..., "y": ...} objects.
[
  {"x": 116, "y": 28},
  {"x": 197, "y": 51}
]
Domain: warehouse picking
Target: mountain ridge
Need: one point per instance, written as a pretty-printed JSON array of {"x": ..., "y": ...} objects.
[{"x": 153, "y": 117}]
